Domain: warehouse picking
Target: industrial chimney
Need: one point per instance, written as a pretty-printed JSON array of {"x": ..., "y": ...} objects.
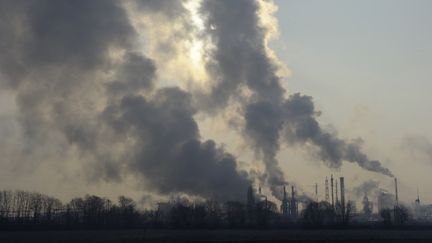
[
  {"x": 342, "y": 194},
  {"x": 327, "y": 197},
  {"x": 284, "y": 205},
  {"x": 332, "y": 196},
  {"x": 293, "y": 205},
  {"x": 337, "y": 199},
  {"x": 396, "y": 193}
]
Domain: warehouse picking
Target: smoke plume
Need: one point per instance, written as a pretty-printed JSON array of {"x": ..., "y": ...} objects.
[
  {"x": 369, "y": 188},
  {"x": 87, "y": 91},
  {"x": 241, "y": 61},
  {"x": 77, "y": 76}
]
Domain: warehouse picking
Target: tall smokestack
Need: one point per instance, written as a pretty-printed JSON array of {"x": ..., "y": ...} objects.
[
  {"x": 332, "y": 193},
  {"x": 396, "y": 192},
  {"x": 336, "y": 186},
  {"x": 284, "y": 206},
  {"x": 250, "y": 198},
  {"x": 417, "y": 201},
  {"x": 342, "y": 192},
  {"x": 327, "y": 197},
  {"x": 294, "y": 209}
]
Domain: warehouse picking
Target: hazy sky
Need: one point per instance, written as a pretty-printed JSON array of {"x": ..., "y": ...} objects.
[
  {"x": 371, "y": 53},
  {"x": 366, "y": 64}
]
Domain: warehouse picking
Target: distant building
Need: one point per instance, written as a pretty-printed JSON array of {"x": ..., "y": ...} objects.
[
  {"x": 353, "y": 207},
  {"x": 284, "y": 208},
  {"x": 367, "y": 205},
  {"x": 385, "y": 200},
  {"x": 422, "y": 212}
]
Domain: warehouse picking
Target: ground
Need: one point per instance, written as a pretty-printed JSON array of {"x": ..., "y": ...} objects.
[{"x": 219, "y": 236}]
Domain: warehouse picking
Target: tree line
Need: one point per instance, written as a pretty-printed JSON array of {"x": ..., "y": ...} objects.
[
  {"x": 21, "y": 209},
  {"x": 31, "y": 210},
  {"x": 28, "y": 210}
]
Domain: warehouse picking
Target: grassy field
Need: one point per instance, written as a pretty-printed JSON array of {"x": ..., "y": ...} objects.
[{"x": 219, "y": 236}]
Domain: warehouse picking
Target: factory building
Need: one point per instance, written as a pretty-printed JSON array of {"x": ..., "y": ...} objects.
[
  {"x": 289, "y": 206},
  {"x": 386, "y": 200},
  {"x": 422, "y": 212}
]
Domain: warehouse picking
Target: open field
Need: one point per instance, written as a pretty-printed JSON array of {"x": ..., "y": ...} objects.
[{"x": 219, "y": 236}]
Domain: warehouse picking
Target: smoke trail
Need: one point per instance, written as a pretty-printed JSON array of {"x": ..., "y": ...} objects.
[
  {"x": 240, "y": 61},
  {"x": 301, "y": 126}
]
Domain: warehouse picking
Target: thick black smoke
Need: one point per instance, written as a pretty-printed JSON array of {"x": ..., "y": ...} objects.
[
  {"x": 167, "y": 149},
  {"x": 76, "y": 75},
  {"x": 240, "y": 59},
  {"x": 240, "y": 62},
  {"x": 82, "y": 88}
]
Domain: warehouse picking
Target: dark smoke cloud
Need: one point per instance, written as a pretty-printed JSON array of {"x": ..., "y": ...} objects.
[
  {"x": 37, "y": 34},
  {"x": 56, "y": 56},
  {"x": 168, "y": 151},
  {"x": 263, "y": 126},
  {"x": 240, "y": 58},
  {"x": 136, "y": 73},
  {"x": 370, "y": 188},
  {"x": 240, "y": 61},
  {"x": 170, "y": 8},
  {"x": 81, "y": 86},
  {"x": 50, "y": 53},
  {"x": 301, "y": 126}
]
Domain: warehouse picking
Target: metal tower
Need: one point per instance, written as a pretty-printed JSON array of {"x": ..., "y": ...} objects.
[
  {"x": 396, "y": 193},
  {"x": 336, "y": 186},
  {"x": 284, "y": 206},
  {"x": 327, "y": 197},
  {"x": 332, "y": 195},
  {"x": 417, "y": 201}
]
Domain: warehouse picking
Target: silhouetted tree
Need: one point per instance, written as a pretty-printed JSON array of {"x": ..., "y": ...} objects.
[
  {"x": 401, "y": 215},
  {"x": 180, "y": 216},
  {"x": 265, "y": 211},
  {"x": 386, "y": 215},
  {"x": 235, "y": 214},
  {"x": 214, "y": 214},
  {"x": 318, "y": 214},
  {"x": 199, "y": 216},
  {"x": 128, "y": 216}
]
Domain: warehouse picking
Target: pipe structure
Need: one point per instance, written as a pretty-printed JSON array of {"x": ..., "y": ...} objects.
[
  {"x": 284, "y": 206},
  {"x": 327, "y": 197},
  {"x": 396, "y": 193},
  {"x": 342, "y": 192},
  {"x": 293, "y": 205},
  {"x": 332, "y": 193},
  {"x": 336, "y": 186}
]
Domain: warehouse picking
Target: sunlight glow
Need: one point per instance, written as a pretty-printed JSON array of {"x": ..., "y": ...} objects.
[{"x": 196, "y": 45}]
